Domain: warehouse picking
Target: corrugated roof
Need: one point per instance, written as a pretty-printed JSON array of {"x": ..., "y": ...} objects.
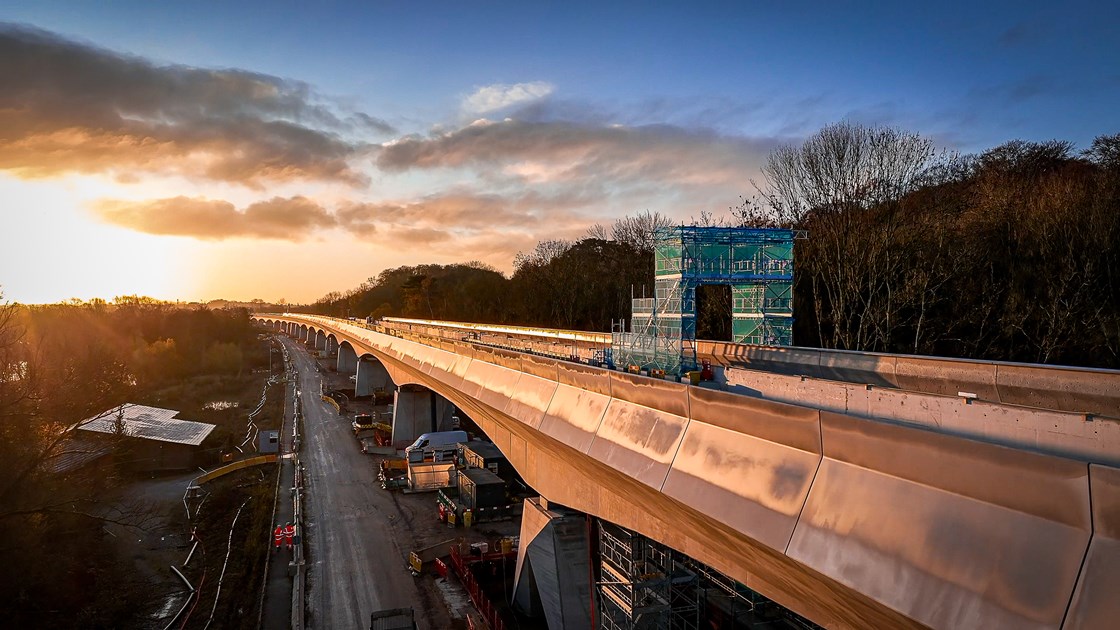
[
  {"x": 75, "y": 453},
  {"x": 150, "y": 423}
]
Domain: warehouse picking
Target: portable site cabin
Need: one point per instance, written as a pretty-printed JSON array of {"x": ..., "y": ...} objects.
[{"x": 486, "y": 456}]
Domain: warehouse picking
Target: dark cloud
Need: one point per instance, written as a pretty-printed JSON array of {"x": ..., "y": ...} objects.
[
  {"x": 291, "y": 219},
  {"x": 540, "y": 152},
  {"x": 67, "y": 106},
  {"x": 1021, "y": 35},
  {"x": 1017, "y": 91}
]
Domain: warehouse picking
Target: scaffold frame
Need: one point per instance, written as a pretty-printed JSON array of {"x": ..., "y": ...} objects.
[
  {"x": 757, "y": 263},
  {"x": 642, "y": 585}
]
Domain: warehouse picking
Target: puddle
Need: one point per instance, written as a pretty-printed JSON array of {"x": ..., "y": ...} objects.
[{"x": 457, "y": 600}]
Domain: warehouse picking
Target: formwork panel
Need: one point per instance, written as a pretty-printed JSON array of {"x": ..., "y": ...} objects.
[
  {"x": 747, "y": 463},
  {"x": 592, "y": 379},
  {"x": 638, "y": 441},
  {"x": 490, "y": 383},
  {"x": 946, "y": 376},
  {"x": 573, "y": 416},
  {"x": 664, "y": 395},
  {"x": 530, "y": 398},
  {"x": 458, "y": 369},
  {"x": 539, "y": 366},
  {"x": 1081, "y": 390},
  {"x": 952, "y": 533},
  {"x": 1095, "y": 601}
]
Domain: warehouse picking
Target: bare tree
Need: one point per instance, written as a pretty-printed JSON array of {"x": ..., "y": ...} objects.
[
  {"x": 598, "y": 231},
  {"x": 843, "y": 185},
  {"x": 544, "y": 253},
  {"x": 639, "y": 231}
]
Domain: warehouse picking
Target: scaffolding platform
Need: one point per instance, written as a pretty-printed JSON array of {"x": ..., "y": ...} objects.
[{"x": 757, "y": 264}]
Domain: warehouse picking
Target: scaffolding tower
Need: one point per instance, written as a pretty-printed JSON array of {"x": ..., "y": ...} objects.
[
  {"x": 642, "y": 586},
  {"x": 757, "y": 263}
]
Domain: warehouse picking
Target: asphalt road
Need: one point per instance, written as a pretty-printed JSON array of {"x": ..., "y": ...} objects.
[{"x": 356, "y": 560}]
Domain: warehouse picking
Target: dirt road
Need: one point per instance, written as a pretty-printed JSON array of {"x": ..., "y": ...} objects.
[{"x": 358, "y": 536}]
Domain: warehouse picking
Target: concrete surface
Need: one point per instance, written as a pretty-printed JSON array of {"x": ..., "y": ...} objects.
[
  {"x": 358, "y": 536},
  {"x": 277, "y": 611}
]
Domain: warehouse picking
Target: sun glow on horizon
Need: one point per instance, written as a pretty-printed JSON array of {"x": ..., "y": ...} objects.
[{"x": 63, "y": 251}]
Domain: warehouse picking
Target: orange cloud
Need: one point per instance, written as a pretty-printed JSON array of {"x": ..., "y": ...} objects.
[
  {"x": 468, "y": 212},
  {"x": 69, "y": 107},
  {"x": 290, "y": 219}
]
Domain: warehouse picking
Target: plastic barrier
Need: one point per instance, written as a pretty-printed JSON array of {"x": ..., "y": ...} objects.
[{"x": 227, "y": 469}]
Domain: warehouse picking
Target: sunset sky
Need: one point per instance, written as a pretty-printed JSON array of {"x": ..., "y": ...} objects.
[{"x": 243, "y": 150}]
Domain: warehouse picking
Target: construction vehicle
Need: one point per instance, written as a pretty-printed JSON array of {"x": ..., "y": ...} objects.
[{"x": 362, "y": 422}]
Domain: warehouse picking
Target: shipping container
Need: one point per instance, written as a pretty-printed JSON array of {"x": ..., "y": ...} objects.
[{"x": 481, "y": 489}]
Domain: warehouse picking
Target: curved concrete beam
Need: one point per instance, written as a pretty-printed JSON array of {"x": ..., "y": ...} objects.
[{"x": 851, "y": 522}]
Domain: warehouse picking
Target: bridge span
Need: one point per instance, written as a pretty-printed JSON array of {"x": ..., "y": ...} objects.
[{"x": 845, "y": 518}]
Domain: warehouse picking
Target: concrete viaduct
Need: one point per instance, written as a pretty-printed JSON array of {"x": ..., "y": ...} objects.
[{"x": 852, "y": 521}]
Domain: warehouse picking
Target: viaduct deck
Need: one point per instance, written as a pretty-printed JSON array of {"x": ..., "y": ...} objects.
[{"x": 848, "y": 520}]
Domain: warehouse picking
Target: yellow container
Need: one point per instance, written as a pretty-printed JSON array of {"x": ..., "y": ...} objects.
[
  {"x": 507, "y": 545},
  {"x": 694, "y": 377}
]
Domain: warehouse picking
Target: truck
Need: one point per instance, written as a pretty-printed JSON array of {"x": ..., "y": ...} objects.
[
  {"x": 362, "y": 422},
  {"x": 393, "y": 619}
]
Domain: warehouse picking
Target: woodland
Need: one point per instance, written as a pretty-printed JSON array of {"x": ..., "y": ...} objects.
[
  {"x": 1010, "y": 254},
  {"x": 64, "y": 531}
]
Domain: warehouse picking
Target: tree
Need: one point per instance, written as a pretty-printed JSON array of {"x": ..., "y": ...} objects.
[
  {"x": 639, "y": 230},
  {"x": 843, "y": 185}
]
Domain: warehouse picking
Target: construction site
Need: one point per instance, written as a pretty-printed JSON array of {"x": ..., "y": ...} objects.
[{"x": 522, "y": 560}]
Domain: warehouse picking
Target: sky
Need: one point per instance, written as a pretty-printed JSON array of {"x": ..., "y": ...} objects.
[{"x": 203, "y": 150}]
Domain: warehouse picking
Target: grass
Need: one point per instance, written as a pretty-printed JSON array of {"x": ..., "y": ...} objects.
[{"x": 239, "y": 600}]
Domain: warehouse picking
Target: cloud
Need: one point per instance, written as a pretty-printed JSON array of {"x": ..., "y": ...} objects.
[
  {"x": 492, "y": 98},
  {"x": 291, "y": 219},
  {"x": 1022, "y": 34},
  {"x": 467, "y": 212},
  {"x": 1017, "y": 91},
  {"x": 70, "y": 107},
  {"x": 557, "y": 151}
]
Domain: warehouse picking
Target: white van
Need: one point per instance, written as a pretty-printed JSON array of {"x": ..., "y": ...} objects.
[{"x": 444, "y": 440}]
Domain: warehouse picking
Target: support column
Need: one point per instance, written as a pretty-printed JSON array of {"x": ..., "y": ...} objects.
[
  {"x": 418, "y": 410},
  {"x": 320, "y": 340},
  {"x": 347, "y": 360},
  {"x": 371, "y": 376},
  {"x": 553, "y": 574}
]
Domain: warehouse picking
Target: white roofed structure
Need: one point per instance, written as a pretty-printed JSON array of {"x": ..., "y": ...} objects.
[{"x": 150, "y": 423}]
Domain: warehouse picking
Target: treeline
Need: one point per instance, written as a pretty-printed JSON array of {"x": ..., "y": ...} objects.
[
  {"x": 1011, "y": 254},
  {"x": 60, "y": 365},
  {"x": 561, "y": 284},
  {"x": 1006, "y": 255},
  {"x": 150, "y": 342}
]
